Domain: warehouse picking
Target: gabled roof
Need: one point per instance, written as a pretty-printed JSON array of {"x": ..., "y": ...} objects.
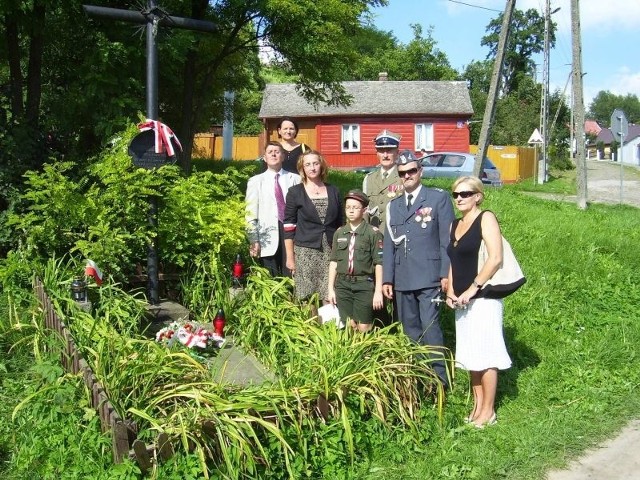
[
  {"x": 591, "y": 126},
  {"x": 373, "y": 98},
  {"x": 605, "y": 136}
]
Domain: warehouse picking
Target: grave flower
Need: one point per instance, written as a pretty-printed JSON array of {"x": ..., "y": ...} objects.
[{"x": 190, "y": 335}]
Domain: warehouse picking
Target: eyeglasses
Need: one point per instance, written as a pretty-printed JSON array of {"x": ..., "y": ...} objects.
[
  {"x": 410, "y": 172},
  {"x": 352, "y": 208},
  {"x": 465, "y": 194}
]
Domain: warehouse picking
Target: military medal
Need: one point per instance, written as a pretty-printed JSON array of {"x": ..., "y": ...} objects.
[{"x": 423, "y": 215}]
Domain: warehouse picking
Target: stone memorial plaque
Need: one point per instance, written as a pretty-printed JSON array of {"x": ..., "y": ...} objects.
[{"x": 142, "y": 150}]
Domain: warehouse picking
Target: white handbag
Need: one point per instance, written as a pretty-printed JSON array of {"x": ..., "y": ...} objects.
[{"x": 507, "y": 279}]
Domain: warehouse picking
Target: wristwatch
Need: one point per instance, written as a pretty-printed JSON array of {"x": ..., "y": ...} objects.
[{"x": 477, "y": 285}]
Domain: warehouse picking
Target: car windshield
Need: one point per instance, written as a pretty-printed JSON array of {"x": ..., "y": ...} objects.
[{"x": 488, "y": 163}]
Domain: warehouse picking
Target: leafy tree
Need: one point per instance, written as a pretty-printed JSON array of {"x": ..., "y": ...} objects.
[
  {"x": 526, "y": 39},
  {"x": 517, "y": 114},
  {"x": 380, "y": 51},
  {"x": 79, "y": 80},
  {"x": 478, "y": 75},
  {"x": 605, "y": 102}
]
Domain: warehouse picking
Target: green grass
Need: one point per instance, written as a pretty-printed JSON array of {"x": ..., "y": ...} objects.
[{"x": 572, "y": 332}]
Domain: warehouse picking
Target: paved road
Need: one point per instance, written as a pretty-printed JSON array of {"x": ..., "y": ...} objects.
[{"x": 617, "y": 458}]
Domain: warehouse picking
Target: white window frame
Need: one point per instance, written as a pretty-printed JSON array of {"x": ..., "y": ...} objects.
[
  {"x": 424, "y": 137},
  {"x": 350, "y": 141}
]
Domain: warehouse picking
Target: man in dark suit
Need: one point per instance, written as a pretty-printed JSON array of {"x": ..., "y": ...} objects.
[{"x": 415, "y": 261}]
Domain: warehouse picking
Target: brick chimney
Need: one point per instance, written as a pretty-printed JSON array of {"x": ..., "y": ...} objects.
[{"x": 383, "y": 76}]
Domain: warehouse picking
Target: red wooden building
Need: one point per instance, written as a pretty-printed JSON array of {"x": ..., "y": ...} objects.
[{"x": 430, "y": 116}]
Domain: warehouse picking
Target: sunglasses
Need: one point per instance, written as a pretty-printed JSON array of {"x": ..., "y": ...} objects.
[
  {"x": 465, "y": 194},
  {"x": 410, "y": 172}
]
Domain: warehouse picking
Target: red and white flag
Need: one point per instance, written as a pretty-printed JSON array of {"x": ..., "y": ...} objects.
[
  {"x": 92, "y": 270},
  {"x": 163, "y": 136}
]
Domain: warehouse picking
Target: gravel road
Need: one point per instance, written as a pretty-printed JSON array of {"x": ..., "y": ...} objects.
[{"x": 603, "y": 184}]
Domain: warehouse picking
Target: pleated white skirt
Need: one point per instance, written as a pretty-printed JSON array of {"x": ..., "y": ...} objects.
[{"x": 479, "y": 337}]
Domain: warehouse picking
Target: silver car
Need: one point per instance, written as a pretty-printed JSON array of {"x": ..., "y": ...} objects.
[{"x": 457, "y": 164}]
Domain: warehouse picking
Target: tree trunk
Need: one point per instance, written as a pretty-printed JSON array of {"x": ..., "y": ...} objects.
[
  {"x": 34, "y": 72},
  {"x": 198, "y": 11},
  {"x": 15, "y": 73},
  {"x": 186, "y": 133}
]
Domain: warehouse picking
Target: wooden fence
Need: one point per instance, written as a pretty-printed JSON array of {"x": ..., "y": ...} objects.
[
  {"x": 515, "y": 163},
  {"x": 209, "y": 145},
  {"x": 123, "y": 431}
]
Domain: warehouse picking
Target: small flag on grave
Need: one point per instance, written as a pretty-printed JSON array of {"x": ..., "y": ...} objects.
[{"x": 92, "y": 270}]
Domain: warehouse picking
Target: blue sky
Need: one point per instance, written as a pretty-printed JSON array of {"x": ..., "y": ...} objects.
[{"x": 610, "y": 53}]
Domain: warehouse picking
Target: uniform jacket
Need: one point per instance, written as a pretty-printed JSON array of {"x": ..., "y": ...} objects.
[
  {"x": 416, "y": 257},
  {"x": 367, "y": 250},
  {"x": 302, "y": 223},
  {"x": 262, "y": 209},
  {"x": 380, "y": 193}
]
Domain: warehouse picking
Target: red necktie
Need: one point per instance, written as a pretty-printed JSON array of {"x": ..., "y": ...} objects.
[{"x": 279, "y": 198}]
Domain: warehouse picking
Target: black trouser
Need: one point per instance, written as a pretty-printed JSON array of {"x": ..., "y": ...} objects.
[{"x": 277, "y": 263}]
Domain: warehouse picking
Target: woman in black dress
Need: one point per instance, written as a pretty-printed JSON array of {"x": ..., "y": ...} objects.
[
  {"x": 480, "y": 346},
  {"x": 287, "y": 133},
  {"x": 313, "y": 213}
]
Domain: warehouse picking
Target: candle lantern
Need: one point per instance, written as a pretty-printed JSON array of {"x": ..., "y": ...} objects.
[
  {"x": 237, "y": 271},
  {"x": 219, "y": 323},
  {"x": 79, "y": 290}
]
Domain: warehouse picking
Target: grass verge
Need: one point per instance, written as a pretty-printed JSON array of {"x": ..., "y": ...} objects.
[{"x": 572, "y": 332}]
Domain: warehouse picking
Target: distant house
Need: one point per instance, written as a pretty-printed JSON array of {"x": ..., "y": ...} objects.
[
  {"x": 630, "y": 151},
  {"x": 430, "y": 116},
  {"x": 592, "y": 127}
]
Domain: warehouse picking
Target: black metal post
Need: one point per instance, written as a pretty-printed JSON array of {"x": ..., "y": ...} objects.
[
  {"x": 153, "y": 280},
  {"x": 152, "y": 62}
]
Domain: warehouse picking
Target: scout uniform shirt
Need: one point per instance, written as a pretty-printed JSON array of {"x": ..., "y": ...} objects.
[
  {"x": 380, "y": 192},
  {"x": 367, "y": 250}
]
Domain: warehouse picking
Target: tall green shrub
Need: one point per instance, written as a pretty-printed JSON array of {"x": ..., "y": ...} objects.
[{"x": 102, "y": 212}]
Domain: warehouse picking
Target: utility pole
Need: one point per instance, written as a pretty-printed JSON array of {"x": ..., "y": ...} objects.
[
  {"x": 490, "y": 108},
  {"x": 578, "y": 105},
  {"x": 543, "y": 166}
]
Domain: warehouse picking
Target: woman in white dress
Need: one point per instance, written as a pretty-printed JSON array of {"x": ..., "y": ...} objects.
[{"x": 480, "y": 346}]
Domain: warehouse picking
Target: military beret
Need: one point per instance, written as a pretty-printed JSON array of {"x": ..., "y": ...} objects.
[{"x": 406, "y": 157}]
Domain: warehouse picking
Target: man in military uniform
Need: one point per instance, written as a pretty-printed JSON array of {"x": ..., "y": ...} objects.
[
  {"x": 355, "y": 269},
  {"x": 383, "y": 184},
  {"x": 416, "y": 264}
]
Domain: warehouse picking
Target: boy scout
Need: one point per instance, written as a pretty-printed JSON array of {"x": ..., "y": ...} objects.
[{"x": 355, "y": 269}]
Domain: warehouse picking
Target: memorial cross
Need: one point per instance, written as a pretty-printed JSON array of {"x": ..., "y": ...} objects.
[{"x": 153, "y": 17}]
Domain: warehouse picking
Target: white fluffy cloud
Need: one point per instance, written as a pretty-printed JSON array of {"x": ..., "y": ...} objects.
[
  {"x": 626, "y": 81},
  {"x": 595, "y": 15}
]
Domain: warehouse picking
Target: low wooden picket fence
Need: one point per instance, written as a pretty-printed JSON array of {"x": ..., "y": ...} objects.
[{"x": 123, "y": 431}]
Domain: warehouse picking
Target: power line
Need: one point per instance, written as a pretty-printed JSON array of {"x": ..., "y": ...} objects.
[{"x": 476, "y": 6}]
